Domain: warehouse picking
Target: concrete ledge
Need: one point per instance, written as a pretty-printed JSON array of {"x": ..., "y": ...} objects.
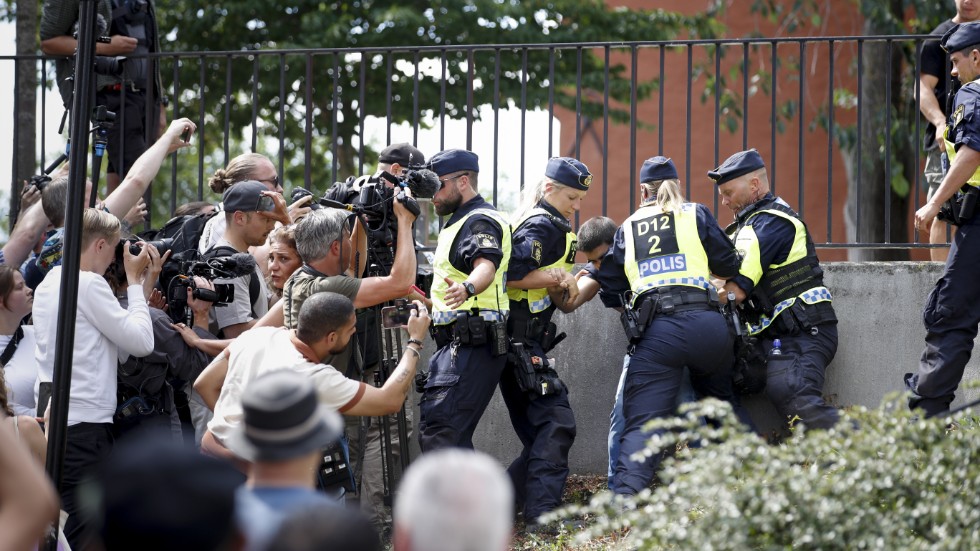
[{"x": 879, "y": 305}]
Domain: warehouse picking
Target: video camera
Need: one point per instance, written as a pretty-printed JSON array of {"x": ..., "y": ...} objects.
[
  {"x": 373, "y": 201},
  {"x": 225, "y": 267}
]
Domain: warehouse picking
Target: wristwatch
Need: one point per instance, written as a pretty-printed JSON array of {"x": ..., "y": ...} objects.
[{"x": 470, "y": 289}]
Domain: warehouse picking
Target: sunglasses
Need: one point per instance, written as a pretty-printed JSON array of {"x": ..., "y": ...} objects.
[
  {"x": 274, "y": 181},
  {"x": 443, "y": 181}
]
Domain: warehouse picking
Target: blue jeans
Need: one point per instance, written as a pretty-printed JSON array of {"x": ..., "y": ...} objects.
[{"x": 617, "y": 421}]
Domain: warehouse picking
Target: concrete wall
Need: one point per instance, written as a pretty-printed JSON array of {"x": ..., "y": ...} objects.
[{"x": 881, "y": 337}]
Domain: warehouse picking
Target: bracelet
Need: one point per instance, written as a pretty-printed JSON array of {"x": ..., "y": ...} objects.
[
  {"x": 415, "y": 341},
  {"x": 418, "y": 355}
]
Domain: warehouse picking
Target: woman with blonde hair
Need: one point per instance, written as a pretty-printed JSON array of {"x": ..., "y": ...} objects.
[
  {"x": 542, "y": 255},
  {"x": 660, "y": 266}
]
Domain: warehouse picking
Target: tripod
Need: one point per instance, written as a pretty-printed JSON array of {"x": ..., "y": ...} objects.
[{"x": 379, "y": 346}]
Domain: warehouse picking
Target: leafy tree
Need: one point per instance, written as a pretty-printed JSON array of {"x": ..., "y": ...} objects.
[
  {"x": 403, "y": 83},
  {"x": 897, "y": 113}
]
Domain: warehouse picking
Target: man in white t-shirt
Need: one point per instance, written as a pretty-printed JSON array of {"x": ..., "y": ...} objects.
[
  {"x": 105, "y": 334},
  {"x": 326, "y": 323},
  {"x": 249, "y": 212}
]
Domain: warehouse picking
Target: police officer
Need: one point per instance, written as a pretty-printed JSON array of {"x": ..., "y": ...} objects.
[
  {"x": 537, "y": 400},
  {"x": 952, "y": 310},
  {"x": 780, "y": 289},
  {"x": 660, "y": 263},
  {"x": 469, "y": 306}
]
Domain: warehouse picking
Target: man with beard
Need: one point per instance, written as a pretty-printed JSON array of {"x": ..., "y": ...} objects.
[{"x": 469, "y": 305}]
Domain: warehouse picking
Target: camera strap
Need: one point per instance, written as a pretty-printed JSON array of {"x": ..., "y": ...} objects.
[{"x": 11, "y": 348}]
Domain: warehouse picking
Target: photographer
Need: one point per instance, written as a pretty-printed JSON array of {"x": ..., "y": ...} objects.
[
  {"x": 145, "y": 395},
  {"x": 119, "y": 203},
  {"x": 248, "y": 215},
  {"x": 365, "y": 447},
  {"x": 105, "y": 333},
  {"x": 132, "y": 29}
]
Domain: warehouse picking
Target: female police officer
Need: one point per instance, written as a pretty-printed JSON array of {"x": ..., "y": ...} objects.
[
  {"x": 542, "y": 255},
  {"x": 661, "y": 261}
]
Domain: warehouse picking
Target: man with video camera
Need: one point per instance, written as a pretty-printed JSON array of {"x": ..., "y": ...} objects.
[
  {"x": 365, "y": 432},
  {"x": 248, "y": 212},
  {"x": 124, "y": 86}
]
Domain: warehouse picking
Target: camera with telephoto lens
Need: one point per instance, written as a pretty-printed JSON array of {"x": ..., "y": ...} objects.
[
  {"x": 299, "y": 192},
  {"x": 210, "y": 269}
]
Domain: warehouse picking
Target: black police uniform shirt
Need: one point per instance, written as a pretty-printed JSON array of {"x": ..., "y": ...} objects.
[
  {"x": 538, "y": 242},
  {"x": 964, "y": 124},
  {"x": 723, "y": 260},
  {"x": 480, "y": 237},
  {"x": 934, "y": 61},
  {"x": 776, "y": 237}
]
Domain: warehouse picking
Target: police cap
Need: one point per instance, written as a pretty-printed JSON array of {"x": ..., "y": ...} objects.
[
  {"x": 737, "y": 165},
  {"x": 404, "y": 154},
  {"x": 961, "y": 36},
  {"x": 657, "y": 168},
  {"x": 569, "y": 172},
  {"x": 454, "y": 160}
]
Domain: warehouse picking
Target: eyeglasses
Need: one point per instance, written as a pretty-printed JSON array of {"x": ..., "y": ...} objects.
[
  {"x": 274, "y": 181},
  {"x": 450, "y": 178}
]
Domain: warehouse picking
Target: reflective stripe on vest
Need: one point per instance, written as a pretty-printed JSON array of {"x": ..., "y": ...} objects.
[
  {"x": 951, "y": 153},
  {"x": 747, "y": 243},
  {"x": 492, "y": 302},
  {"x": 664, "y": 249},
  {"x": 538, "y": 299}
]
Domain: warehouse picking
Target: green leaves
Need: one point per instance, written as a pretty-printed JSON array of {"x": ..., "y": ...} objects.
[{"x": 882, "y": 479}]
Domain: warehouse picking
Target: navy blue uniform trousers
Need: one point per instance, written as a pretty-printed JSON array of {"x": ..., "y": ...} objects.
[
  {"x": 698, "y": 340},
  {"x": 951, "y": 315},
  {"x": 794, "y": 382},
  {"x": 546, "y": 428},
  {"x": 461, "y": 382}
]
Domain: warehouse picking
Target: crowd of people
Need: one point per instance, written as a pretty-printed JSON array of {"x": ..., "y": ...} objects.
[{"x": 246, "y": 403}]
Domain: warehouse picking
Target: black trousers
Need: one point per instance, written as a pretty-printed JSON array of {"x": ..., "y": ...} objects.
[
  {"x": 88, "y": 444},
  {"x": 951, "y": 315},
  {"x": 126, "y": 140}
]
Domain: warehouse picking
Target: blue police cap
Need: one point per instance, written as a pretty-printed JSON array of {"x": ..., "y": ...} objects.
[
  {"x": 454, "y": 160},
  {"x": 657, "y": 168},
  {"x": 569, "y": 172},
  {"x": 961, "y": 36},
  {"x": 737, "y": 165}
]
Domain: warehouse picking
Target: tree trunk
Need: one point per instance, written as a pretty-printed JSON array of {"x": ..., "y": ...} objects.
[
  {"x": 25, "y": 102},
  {"x": 872, "y": 205}
]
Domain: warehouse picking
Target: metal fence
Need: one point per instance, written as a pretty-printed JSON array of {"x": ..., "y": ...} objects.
[{"x": 832, "y": 116}]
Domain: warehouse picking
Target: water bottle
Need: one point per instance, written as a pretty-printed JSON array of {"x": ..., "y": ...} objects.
[{"x": 775, "y": 348}]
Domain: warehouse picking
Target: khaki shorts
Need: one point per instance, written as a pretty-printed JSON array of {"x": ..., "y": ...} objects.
[{"x": 933, "y": 171}]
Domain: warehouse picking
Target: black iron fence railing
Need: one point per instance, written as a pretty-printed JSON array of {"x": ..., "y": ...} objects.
[{"x": 835, "y": 118}]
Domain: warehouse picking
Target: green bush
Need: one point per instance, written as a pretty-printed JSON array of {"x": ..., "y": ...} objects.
[{"x": 882, "y": 480}]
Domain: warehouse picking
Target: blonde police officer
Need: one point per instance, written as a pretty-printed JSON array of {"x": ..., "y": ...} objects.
[
  {"x": 469, "y": 306},
  {"x": 661, "y": 261},
  {"x": 537, "y": 400}
]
